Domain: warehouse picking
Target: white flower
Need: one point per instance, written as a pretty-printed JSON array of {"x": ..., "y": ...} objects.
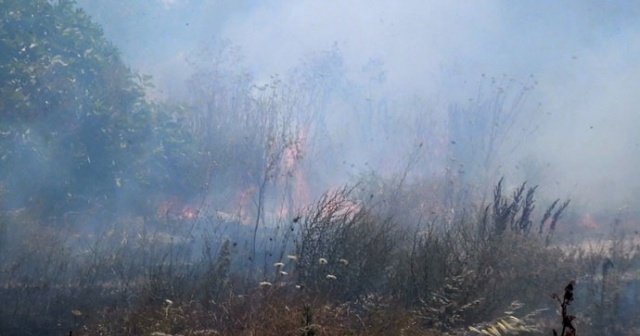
[
  {"x": 265, "y": 284},
  {"x": 344, "y": 262},
  {"x": 323, "y": 261},
  {"x": 283, "y": 273},
  {"x": 278, "y": 264},
  {"x": 331, "y": 277},
  {"x": 292, "y": 257}
]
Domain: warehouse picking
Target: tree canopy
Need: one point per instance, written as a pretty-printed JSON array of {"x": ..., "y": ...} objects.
[{"x": 76, "y": 129}]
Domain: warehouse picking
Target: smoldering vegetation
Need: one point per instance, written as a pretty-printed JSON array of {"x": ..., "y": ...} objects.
[{"x": 308, "y": 203}]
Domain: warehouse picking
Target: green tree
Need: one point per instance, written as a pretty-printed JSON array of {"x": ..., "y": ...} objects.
[{"x": 76, "y": 130}]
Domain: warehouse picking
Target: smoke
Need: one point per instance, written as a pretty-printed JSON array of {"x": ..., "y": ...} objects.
[{"x": 581, "y": 55}]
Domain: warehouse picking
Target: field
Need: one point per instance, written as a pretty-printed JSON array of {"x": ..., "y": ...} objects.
[{"x": 343, "y": 266}]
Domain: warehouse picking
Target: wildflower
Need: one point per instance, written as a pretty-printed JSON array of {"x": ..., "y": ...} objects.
[
  {"x": 292, "y": 257},
  {"x": 76, "y": 313},
  {"x": 323, "y": 261},
  {"x": 265, "y": 284},
  {"x": 169, "y": 302},
  {"x": 278, "y": 264},
  {"x": 283, "y": 273},
  {"x": 331, "y": 277},
  {"x": 344, "y": 262}
]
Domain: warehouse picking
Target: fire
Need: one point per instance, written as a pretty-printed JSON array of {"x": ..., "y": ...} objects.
[
  {"x": 174, "y": 210},
  {"x": 588, "y": 222},
  {"x": 300, "y": 194},
  {"x": 339, "y": 206},
  {"x": 189, "y": 214},
  {"x": 285, "y": 192},
  {"x": 243, "y": 202},
  {"x": 290, "y": 187}
]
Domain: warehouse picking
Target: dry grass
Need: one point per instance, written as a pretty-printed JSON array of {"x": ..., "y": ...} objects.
[{"x": 349, "y": 269}]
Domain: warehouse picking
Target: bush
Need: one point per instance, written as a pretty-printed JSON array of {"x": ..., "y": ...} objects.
[{"x": 343, "y": 249}]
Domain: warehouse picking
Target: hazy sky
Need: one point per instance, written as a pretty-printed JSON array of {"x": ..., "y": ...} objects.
[{"x": 583, "y": 54}]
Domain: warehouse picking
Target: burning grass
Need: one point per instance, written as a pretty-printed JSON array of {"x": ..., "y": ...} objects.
[{"x": 334, "y": 269}]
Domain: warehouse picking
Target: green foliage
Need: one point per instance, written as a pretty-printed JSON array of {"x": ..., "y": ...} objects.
[
  {"x": 76, "y": 128},
  {"x": 54, "y": 58}
]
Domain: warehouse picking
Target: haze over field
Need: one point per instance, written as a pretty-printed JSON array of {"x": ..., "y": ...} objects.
[
  {"x": 581, "y": 54},
  {"x": 202, "y": 167}
]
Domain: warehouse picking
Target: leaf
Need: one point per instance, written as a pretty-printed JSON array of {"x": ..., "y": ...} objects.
[{"x": 58, "y": 60}]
